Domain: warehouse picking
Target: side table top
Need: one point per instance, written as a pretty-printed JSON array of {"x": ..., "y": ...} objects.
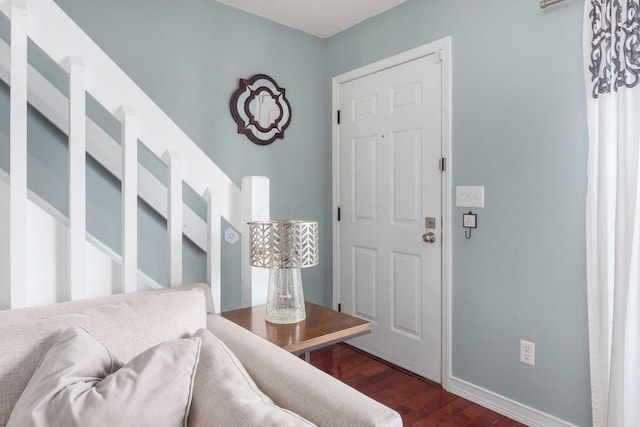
[{"x": 322, "y": 326}]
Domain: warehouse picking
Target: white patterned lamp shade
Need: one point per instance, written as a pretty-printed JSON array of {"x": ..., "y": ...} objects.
[{"x": 284, "y": 247}]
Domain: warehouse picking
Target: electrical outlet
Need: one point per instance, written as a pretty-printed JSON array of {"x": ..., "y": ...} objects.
[{"x": 527, "y": 352}]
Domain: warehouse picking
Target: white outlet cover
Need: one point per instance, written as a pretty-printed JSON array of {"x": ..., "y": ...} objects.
[
  {"x": 470, "y": 196},
  {"x": 527, "y": 352}
]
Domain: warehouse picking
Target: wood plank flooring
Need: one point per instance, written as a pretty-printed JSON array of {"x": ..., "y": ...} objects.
[{"x": 420, "y": 402}]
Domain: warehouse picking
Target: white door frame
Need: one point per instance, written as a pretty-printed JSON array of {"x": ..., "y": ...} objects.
[{"x": 442, "y": 47}]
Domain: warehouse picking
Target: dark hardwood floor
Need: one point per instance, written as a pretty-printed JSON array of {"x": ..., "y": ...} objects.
[{"x": 419, "y": 401}]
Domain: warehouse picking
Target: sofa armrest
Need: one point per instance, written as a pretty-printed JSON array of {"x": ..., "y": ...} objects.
[{"x": 295, "y": 385}]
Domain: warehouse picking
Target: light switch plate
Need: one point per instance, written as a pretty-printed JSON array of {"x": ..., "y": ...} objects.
[{"x": 470, "y": 197}]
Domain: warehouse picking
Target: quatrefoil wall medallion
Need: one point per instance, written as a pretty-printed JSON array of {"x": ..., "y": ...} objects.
[{"x": 260, "y": 109}]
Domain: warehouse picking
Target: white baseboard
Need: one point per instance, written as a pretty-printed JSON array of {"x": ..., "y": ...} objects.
[{"x": 505, "y": 406}]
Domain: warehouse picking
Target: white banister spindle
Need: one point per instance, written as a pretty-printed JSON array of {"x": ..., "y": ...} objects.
[
  {"x": 18, "y": 157},
  {"x": 214, "y": 237},
  {"x": 173, "y": 160},
  {"x": 77, "y": 178},
  {"x": 255, "y": 207},
  {"x": 129, "y": 185}
]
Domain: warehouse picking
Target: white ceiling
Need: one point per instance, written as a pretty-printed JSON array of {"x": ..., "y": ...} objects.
[{"x": 322, "y": 18}]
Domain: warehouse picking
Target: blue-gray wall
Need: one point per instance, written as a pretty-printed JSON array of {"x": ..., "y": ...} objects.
[{"x": 519, "y": 129}]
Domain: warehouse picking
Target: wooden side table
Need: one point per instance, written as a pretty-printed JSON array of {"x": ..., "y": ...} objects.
[{"x": 321, "y": 328}]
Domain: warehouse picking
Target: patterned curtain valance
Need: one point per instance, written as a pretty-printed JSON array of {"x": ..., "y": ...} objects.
[{"x": 615, "y": 45}]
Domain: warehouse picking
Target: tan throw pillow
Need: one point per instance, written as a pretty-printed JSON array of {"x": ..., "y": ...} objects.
[
  {"x": 80, "y": 383},
  {"x": 225, "y": 395}
]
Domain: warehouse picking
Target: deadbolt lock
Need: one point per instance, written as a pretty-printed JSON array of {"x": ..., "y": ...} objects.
[{"x": 430, "y": 222}]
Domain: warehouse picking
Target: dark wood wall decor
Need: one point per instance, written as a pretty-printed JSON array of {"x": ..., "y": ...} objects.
[{"x": 260, "y": 109}]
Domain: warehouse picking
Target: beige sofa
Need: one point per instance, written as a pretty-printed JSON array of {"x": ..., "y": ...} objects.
[{"x": 131, "y": 323}]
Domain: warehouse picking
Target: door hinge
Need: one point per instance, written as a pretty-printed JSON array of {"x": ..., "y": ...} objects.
[
  {"x": 338, "y": 213},
  {"x": 443, "y": 164},
  {"x": 438, "y": 56},
  {"x": 340, "y": 307},
  {"x": 338, "y": 116}
]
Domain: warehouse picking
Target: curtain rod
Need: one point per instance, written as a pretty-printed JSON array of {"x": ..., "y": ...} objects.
[{"x": 547, "y": 3}]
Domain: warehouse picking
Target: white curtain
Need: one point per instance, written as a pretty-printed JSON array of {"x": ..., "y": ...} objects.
[{"x": 612, "y": 75}]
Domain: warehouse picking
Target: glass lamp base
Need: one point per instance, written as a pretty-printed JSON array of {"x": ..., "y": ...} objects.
[{"x": 285, "y": 298}]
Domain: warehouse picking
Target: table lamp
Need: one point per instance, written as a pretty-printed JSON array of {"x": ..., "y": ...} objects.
[{"x": 284, "y": 247}]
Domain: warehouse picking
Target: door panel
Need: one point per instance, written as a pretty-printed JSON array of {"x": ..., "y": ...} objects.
[
  {"x": 406, "y": 285},
  {"x": 366, "y": 282},
  {"x": 405, "y": 173},
  {"x": 390, "y": 141},
  {"x": 365, "y": 159}
]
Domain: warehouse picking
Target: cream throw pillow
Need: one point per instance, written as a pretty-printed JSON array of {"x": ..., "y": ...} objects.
[
  {"x": 225, "y": 395},
  {"x": 80, "y": 383}
]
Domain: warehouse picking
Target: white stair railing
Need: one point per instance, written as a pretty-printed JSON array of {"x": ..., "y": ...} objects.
[
  {"x": 54, "y": 105},
  {"x": 18, "y": 157},
  {"x": 77, "y": 177},
  {"x": 129, "y": 140},
  {"x": 174, "y": 217},
  {"x": 92, "y": 71}
]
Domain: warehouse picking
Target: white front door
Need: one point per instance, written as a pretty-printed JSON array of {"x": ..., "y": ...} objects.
[{"x": 390, "y": 146}]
